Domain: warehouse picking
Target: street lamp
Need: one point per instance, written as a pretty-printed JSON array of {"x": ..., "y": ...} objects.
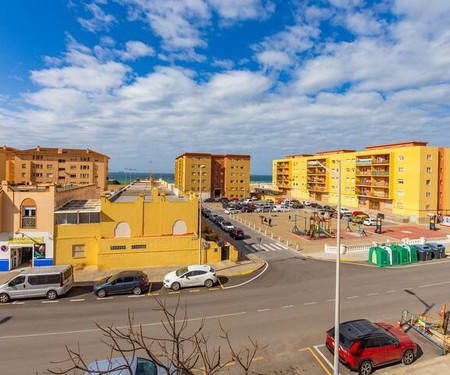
[
  {"x": 338, "y": 264},
  {"x": 200, "y": 217}
]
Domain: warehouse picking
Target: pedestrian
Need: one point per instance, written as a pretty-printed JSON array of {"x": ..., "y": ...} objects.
[
  {"x": 270, "y": 221},
  {"x": 289, "y": 217},
  {"x": 265, "y": 220}
]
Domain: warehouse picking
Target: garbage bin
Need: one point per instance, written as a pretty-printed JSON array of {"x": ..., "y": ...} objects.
[
  {"x": 403, "y": 254},
  {"x": 394, "y": 254},
  {"x": 423, "y": 252},
  {"x": 412, "y": 253},
  {"x": 379, "y": 256},
  {"x": 437, "y": 250}
]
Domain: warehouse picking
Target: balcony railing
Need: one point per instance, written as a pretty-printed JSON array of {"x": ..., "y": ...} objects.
[
  {"x": 381, "y": 161},
  {"x": 380, "y": 173},
  {"x": 28, "y": 222},
  {"x": 364, "y": 162}
]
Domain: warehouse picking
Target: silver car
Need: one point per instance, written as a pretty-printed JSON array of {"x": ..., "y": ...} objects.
[
  {"x": 196, "y": 275},
  {"x": 50, "y": 282}
]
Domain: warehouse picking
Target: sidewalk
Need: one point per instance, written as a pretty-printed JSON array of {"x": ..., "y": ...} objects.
[
  {"x": 435, "y": 366},
  {"x": 91, "y": 274}
]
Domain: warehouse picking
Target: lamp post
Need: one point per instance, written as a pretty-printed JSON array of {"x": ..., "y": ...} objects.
[
  {"x": 337, "y": 306},
  {"x": 200, "y": 216}
]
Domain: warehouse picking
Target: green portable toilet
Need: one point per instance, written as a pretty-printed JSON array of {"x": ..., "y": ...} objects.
[
  {"x": 403, "y": 254},
  {"x": 412, "y": 253},
  {"x": 379, "y": 256}
]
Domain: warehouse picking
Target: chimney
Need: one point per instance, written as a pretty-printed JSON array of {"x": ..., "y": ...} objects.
[{"x": 88, "y": 151}]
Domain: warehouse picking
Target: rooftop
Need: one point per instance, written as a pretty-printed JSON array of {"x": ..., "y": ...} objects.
[
  {"x": 131, "y": 193},
  {"x": 59, "y": 151},
  {"x": 84, "y": 205},
  {"x": 213, "y": 155}
]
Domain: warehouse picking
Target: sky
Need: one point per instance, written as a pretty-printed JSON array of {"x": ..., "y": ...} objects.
[{"x": 146, "y": 80}]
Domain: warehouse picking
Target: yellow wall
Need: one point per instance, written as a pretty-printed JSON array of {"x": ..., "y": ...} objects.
[{"x": 237, "y": 177}]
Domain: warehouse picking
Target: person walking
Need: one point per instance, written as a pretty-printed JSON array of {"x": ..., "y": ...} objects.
[{"x": 270, "y": 221}]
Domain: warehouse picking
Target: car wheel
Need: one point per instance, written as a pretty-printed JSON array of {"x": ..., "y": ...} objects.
[
  {"x": 137, "y": 290},
  {"x": 209, "y": 283},
  {"x": 175, "y": 286},
  {"x": 51, "y": 295},
  {"x": 408, "y": 357},
  {"x": 365, "y": 368},
  {"x": 4, "y": 298},
  {"x": 101, "y": 293}
]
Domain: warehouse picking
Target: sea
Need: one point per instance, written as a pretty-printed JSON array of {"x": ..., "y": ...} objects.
[{"x": 126, "y": 177}]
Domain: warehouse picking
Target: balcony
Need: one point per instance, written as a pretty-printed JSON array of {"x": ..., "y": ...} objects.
[
  {"x": 381, "y": 161},
  {"x": 363, "y": 183},
  {"x": 316, "y": 188},
  {"x": 28, "y": 222},
  {"x": 380, "y": 173},
  {"x": 363, "y": 173},
  {"x": 364, "y": 162}
]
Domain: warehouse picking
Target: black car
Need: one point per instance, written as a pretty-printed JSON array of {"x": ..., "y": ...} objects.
[
  {"x": 209, "y": 200},
  {"x": 223, "y": 200},
  {"x": 125, "y": 282},
  {"x": 237, "y": 234},
  {"x": 218, "y": 219}
]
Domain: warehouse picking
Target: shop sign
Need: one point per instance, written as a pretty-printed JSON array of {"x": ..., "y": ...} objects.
[
  {"x": 4, "y": 248},
  {"x": 26, "y": 240},
  {"x": 39, "y": 251}
]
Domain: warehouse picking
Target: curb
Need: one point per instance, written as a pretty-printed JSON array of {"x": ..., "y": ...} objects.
[{"x": 244, "y": 272}]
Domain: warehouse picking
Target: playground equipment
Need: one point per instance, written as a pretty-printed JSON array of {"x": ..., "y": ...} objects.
[
  {"x": 433, "y": 328},
  {"x": 319, "y": 227}
]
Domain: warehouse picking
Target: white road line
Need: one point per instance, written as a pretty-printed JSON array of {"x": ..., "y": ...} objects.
[
  {"x": 18, "y": 303},
  {"x": 282, "y": 246},
  {"x": 391, "y": 291},
  {"x": 372, "y": 294},
  {"x": 77, "y": 300},
  {"x": 261, "y": 310},
  {"x": 352, "y": 297},
  {"x": 44, "y": 334},
  {"x": 309, "y": 303},
  {"x": 133, "y": 296},
  {"x": 104, "y": 298},
  {"x": 248, "y": 281},
  {"x": 435, "y": 284},
  {"x": 316, "y": 348},
  {"x": 286, "y": 307},
  {"x": 273, "y": 247},
  {"x": 331, "y": 300},
  {"x": 264, "y": 247},
  {"x": 49, "y": 301}
]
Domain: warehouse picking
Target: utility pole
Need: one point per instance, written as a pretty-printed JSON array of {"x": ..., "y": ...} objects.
[{"x": 200, "y": 216}]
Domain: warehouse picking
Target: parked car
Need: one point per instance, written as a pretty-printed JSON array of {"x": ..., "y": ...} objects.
[
  {"x": 306, "y": 203},
  {"x": 209, "y": 200},
  {"x": 237, "y": 234},
  {"x": 226, "y": 226},
  {"x": 315, "y": 205},
  {"x": 212, "y": 217},
  {"x": 264, "y": 209},
  {"x": 51, "y": 282},
  {"x": 223, "y": 200},
  {"x": 346, "y": 216},
  {"x": 125, "y": 282},
  {"x": 359, "y": 213},
  {"x": 280, "y": 208},
  {"x": 357, "y": 219},
  {"x": 206, "y": 212},
  {"x": 370, "y": 221},
  {"x": 195, "y": 275},
  {"x": 218, "y": 219},
  {"x": 231, "y": 211},
  {"x": 364, "y": 345},
  {"x": 130, "y": 366},
  {"x": 345, "y": 210}
]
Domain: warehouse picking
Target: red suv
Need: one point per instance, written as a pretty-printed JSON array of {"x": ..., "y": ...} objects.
[
  {"x": 364, "y": 345},
  {"x": 359, "y": 213}
]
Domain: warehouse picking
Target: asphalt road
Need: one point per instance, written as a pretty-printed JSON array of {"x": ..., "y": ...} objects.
[{"x": 287, "y": 309}]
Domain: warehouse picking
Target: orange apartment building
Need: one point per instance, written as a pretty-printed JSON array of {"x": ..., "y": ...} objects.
[
  {"x": 60, "y": 166},
  {"x": 221, "y": 175}
]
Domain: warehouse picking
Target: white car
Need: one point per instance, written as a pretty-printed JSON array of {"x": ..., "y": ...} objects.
[
  {"x": 195, "y": 275},
  {"x": 232, "y": 211},
  {"x": 227, "y": 226},
  {"x": 370, "y": 221}
]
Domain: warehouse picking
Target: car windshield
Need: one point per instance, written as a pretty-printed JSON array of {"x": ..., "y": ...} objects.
[
  {"x": 227, "y": 223},
  {"x": 181, "y": 271},
  {"x": 112, "y": 277},
  {"x": 145, "y": 367}
]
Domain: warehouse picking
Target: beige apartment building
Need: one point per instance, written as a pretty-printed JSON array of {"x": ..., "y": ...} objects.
[
  {"x": 60, "y": 166},
  {"x": 219, "y": 175}
]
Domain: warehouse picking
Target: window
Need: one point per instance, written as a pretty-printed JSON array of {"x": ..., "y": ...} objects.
[
  {"x": 399, "y": 204},
  {"x": 72, "y": 167},
  {"x": 17, "y": 281},
  {"x": 118, "y": 247},
  {"x": 49, "y": 166},
  {"x": 78, "y": 251},
  {"x": 84, "y": 167},
  {"x": 61, "y": 160},
  {"x": 387, "y": 341},
  {"x": 73, "y": 159},
  {"x": 401, "y": 157},
  {"x": 49, "y": 175},
  {"x": 429, "y": 157},
  {"x": 428, "y": 169},
  {"x": 44, "y": 279},
  {"x": 84, "y": 175},
  {"x": 428, "y": 194},
  {"x": 73, "y": 176},
  {"x": 128, "y": 279},
  {"x": 85, "y": 159},
  {"x": 428, "y": 182},
  {"x": 400, "y": 181},
  {"x": 136, "y": 247},
  {"x": 372, "y": 342},
  {"x": 400, "y": 193}
]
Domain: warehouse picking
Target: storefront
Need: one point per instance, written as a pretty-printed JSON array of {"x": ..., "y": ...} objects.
[{"x": 25, "y": 250}]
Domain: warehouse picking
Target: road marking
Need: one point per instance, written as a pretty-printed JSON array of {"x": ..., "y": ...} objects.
[
  {"x": 150, "y": 288},
  {"x": 44, "y": 334},
  {"x": 77, "y": 300},
  {"x": 257, "y": 359},
  {"x": 435, "y": 284},
  {"x": 352, "y": 297},
  {"x": 18, "y": 303},
  {"x": 104, "y": 298},
  {"x": 372, "y": 294},
  {"x": 391, "y": 291},
  {"x": 177, "y": 292},
  {"x": 309, "y": 303},
  {"x": 281, "y": 354},
  {"x": 318, "y": 359},
  {"x": 250, "y": 248},
  {"x": 273, "y": 247},
  {"x": 248, "y": 281},
  {"x": 406, "y": 231},
  {"x": 49, "y": 301},
  {"x": 264, "y": 248},
  {"x": 136, "y": 296},
  {"x": 261, "y": 310},
  {"x": 287, "y": 307},
  {"x": 214, "y": 289},
  {"x": 154, "y": 294},
  {"x": 195, "y": 290},
  {"x": 331, "y": 300}
]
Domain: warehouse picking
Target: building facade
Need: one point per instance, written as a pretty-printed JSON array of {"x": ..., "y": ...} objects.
[
  {"x": 221, "y": 175},
  {"x": 409, "y": 179},
  {"x": 42, "y": 165},
  {"x": 27, "y": 221},
  {"x": 140, "y": 226}
]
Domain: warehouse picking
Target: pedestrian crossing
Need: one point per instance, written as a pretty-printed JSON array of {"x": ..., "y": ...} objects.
[{"x": 253, "y": 248}]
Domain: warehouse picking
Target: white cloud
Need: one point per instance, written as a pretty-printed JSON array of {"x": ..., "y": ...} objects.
[
  {"x": 363, "y": 23},
  {"x": 274, "y": 59},
  {"x": 242, "y": 9},
  {"x": 135, "y": 49},
  {"x": 100, "y": 20},
  {"x": 225, "y": 64}
]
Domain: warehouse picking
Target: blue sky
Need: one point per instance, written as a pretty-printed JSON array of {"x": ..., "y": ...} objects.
[{"x": 145, "y": 80}]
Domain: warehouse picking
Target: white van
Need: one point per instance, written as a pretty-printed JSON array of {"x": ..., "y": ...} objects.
[{"x": 50, "y": 282}]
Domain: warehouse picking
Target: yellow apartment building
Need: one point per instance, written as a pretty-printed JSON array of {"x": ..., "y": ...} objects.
[
  {"x": 60, "y": 166},
  {"x": 27, "y": 221},
  {"x": 221, "y": 175},
  {"x": 409, "y": 179},
  {"x": 139, "y": 226}
]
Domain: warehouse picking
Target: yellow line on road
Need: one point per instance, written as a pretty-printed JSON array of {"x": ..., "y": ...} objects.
[
  {"x": 213, "y": 289},
  {"x": 220, "y": 283},
  {"x": 153, "y": 294},
  {"x": 194, "y": 291},
  {"x": 257, "y": 359},
  {"x": 318, "y": 360},
  {"x": 174, "y": 292},
  {"x": 150, "y": 289}
]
